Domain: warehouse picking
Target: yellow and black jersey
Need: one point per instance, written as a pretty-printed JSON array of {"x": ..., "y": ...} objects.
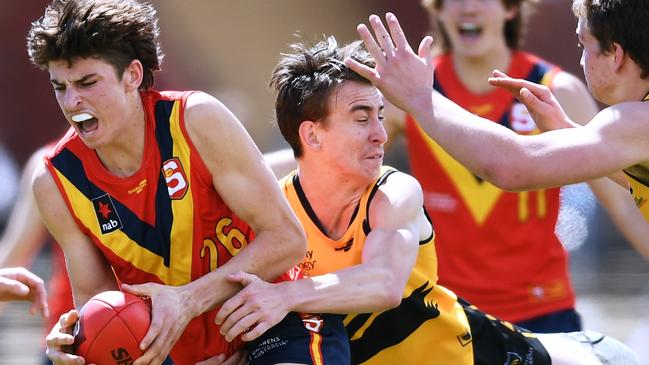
[{"x": 430, "y": 326}]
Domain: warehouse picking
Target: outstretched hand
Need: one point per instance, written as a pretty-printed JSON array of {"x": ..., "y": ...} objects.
[
  {"x": 251, "y": 312},
  {"x": 404, "y": 78},
  {"x": 539, "y": 100},
  {"x": 18, "y": 283}
]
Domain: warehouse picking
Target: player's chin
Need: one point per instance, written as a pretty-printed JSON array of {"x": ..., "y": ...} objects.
[{"x": 372, "y": 168}]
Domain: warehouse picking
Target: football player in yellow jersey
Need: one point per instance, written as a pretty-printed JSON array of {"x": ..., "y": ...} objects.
[
  {"x": 370, "y": 250},
  {"x": 615, "y": 61}
]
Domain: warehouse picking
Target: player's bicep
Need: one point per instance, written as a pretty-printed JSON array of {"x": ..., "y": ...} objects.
[
  {"x": 398, "y": 224},
  {"x": 240, "y": 174}
]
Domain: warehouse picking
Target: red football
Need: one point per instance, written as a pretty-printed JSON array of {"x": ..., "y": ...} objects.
[{"x": 110, "y": 327}]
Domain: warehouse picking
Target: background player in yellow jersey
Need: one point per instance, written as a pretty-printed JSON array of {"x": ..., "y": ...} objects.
[
  {"x": 615, "y": 61},
  {"x": 501, "y": 232},
  {"x": 370, "y": 244}
]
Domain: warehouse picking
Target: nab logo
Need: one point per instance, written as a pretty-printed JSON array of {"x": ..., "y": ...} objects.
[
  {"x": 312, "y": 322},
  {"x": 106, "y": 214},
  {"x": 175, "y": 178},
  {"x": 121, "y": 357}
]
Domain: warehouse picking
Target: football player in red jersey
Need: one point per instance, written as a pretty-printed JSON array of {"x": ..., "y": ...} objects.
[{"x": 163, "y": 193}]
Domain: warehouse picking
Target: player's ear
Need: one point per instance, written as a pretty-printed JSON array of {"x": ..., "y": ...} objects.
[
  {"x": 309, "y": 135},
  {"x": 620, "y": 55},
  {"x": 133, "y": 75}
]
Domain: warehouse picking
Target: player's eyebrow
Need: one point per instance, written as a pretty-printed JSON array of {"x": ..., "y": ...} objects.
[
  {"x": 81, "y": 80},
  {"x": 364, "y": 107}
]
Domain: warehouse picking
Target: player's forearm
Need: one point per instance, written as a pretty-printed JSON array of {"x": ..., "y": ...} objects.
[
  {"x": 485, "y": 148},
  {"x": 268, "y": 256},
  {"x": 357, "y": 289}
]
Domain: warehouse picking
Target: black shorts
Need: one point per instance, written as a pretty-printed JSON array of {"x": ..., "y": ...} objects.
[
  {"x": 500, "y": 342},
  {"x": 567, "y": 320},
  {"x": 303, "y": 339}
]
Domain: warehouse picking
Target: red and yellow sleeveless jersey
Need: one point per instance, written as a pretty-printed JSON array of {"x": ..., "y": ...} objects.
[
  {"x": 165, "y": 224},
  {"x": 429, "y": 316},
  {"x": 496, "y": 249}
]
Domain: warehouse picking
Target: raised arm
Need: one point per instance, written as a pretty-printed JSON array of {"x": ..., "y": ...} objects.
[
  {"x": 494, "y": 152},
  {"x": 376, "y": 284}
]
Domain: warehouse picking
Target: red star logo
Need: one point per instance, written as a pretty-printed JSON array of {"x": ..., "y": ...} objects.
[{"x": 104, "y": 210}]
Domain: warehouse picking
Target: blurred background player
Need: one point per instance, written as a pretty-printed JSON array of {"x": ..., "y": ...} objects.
[
  {"x": 25, "y": 236},
  {"x": 497, "y": 249},
  {"x": 9, "y": 175}
]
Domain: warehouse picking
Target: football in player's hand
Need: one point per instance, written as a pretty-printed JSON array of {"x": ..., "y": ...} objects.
[{"x": 110, "y": 327}]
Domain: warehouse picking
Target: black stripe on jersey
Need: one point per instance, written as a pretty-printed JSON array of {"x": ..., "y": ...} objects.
[
  {"x": 309, "y": 210},
  {"x": 164, "y": 213},
  {"x": 138, "y": 231},
  {"x": 306, "y": 205},
  {"x": 392, "y": 326},
  {"x": 382, "y": 179}
]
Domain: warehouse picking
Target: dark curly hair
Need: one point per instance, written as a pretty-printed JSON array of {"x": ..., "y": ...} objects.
[
  {"x": 116, "y": 31},
  {"x": 306, "y": 78}
]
